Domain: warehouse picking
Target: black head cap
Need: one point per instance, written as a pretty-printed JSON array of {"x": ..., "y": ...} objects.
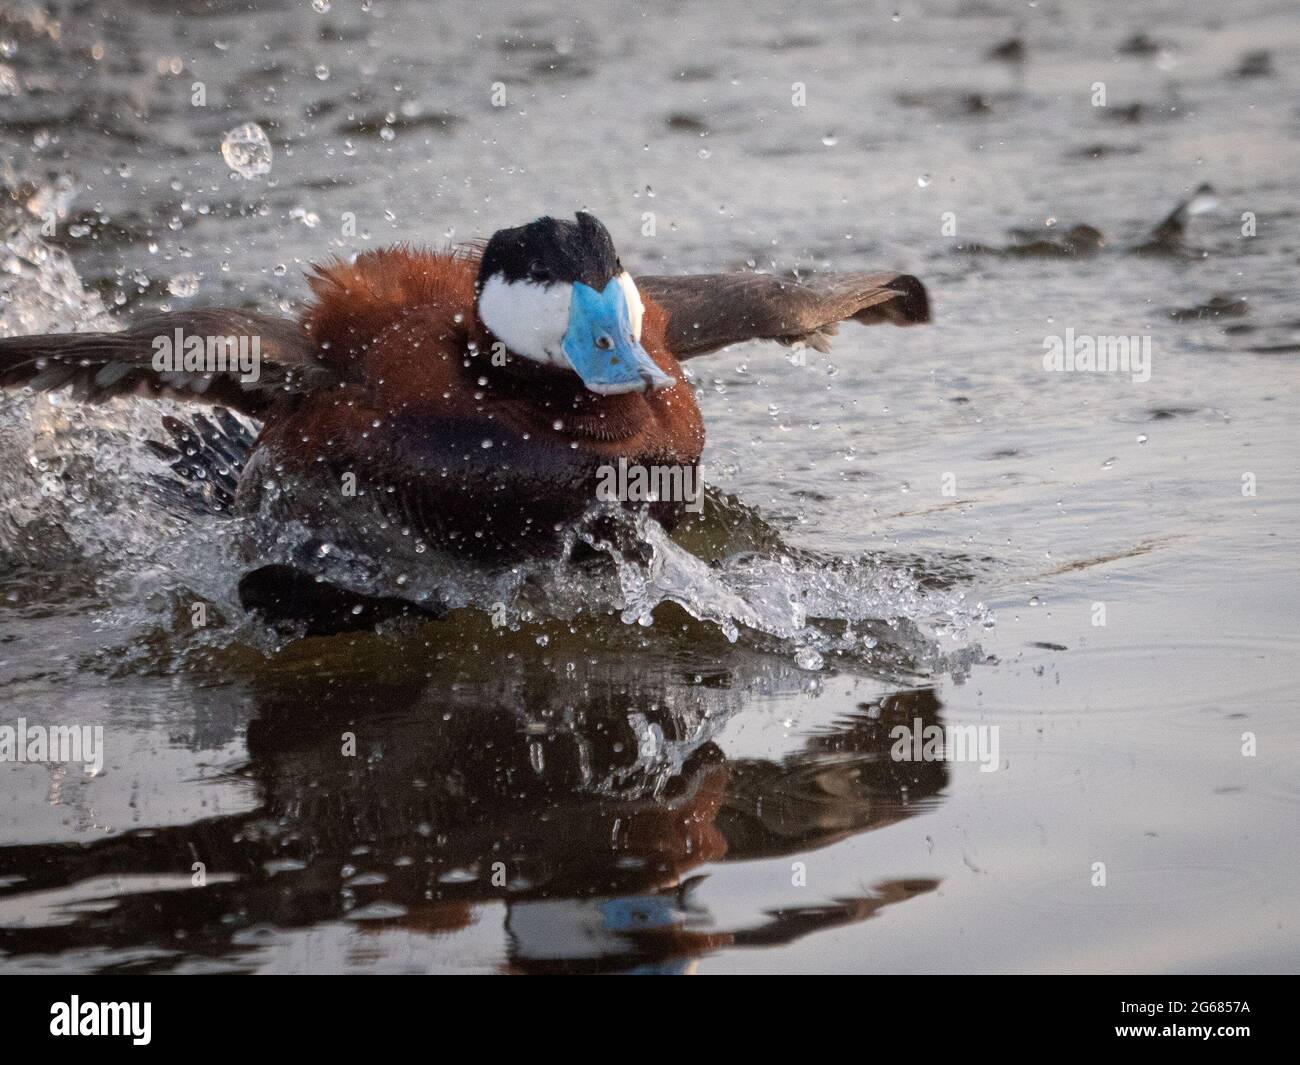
[{"x": 553, "y": 249}]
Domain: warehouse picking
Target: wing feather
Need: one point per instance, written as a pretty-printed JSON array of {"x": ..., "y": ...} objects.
[
  {"x": 102, "y": 365},
  {"x": 709, "y": 311}
]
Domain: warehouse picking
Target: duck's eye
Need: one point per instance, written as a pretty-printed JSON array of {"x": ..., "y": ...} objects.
[
  {"x": 538, "y": 272},
  {"x": 604, "y": 342}
]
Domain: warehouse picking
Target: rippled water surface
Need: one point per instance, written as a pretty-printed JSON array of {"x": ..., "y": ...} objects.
[{"x": 681, "y": 759}]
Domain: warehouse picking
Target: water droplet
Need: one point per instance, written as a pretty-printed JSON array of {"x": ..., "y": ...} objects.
[
  {"x": 830, "y": 140},
  {"x": 923, "y": 181},
  {"x": 183, "y": 285},
  {"x": 247, "y": 150},
  {"x": 808, "y": 658}
]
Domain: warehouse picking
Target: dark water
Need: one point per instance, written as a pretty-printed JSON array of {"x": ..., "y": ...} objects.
[{"x": 672, "y": 764}]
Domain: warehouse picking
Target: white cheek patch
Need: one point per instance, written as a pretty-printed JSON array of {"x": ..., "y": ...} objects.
[
  {"x": 530, "y": 319},
  {"x": 635, "y": 308}
]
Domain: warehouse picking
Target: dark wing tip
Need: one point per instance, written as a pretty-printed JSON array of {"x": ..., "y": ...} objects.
[{"x": 912, "y": 307}]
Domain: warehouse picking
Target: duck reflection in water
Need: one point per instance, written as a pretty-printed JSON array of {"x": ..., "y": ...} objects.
[{"x": 434, "y": 787}]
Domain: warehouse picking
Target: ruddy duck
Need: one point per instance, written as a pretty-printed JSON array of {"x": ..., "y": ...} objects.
[{"x": 471, "y": 396}]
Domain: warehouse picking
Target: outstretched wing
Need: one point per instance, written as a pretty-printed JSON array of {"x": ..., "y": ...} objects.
[
  {"x": 102, "y": 365},
  {"x": 710, "y": 311}
]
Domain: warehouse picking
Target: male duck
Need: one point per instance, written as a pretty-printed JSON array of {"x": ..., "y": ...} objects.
[{"x": 473, "y": 393}]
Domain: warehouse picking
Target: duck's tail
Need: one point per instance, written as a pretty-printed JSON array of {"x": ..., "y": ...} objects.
[{"x": 206, "y": 454}]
